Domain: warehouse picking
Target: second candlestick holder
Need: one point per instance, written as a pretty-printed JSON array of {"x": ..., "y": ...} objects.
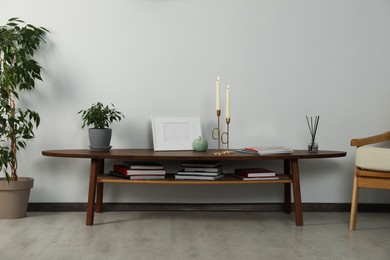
[
  {"x": 227, "y": 136},
  {"x": 222, "y": 137}
]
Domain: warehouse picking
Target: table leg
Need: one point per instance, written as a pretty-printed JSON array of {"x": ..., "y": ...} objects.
[
  {"x": 99, "y": 198},
  {"x": 99, "y": 190},
  {"x": 287, "y": 188},
  {"x": 93, "y": 173},
  {"x": 297, "y": 192}
]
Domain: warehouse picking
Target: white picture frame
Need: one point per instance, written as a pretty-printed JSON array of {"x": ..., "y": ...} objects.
[{"x": 175, "y": 133}]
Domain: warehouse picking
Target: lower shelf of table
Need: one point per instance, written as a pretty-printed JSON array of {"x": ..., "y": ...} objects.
[{"x": 105, "y": 178}]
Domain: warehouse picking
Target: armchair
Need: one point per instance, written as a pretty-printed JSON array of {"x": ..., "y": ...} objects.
[{"x": 372, "y": 168}]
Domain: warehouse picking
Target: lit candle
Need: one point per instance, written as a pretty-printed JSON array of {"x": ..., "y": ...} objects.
[
  {"x": 217, "y": 95},
  {"x": 228, "y": 102}
]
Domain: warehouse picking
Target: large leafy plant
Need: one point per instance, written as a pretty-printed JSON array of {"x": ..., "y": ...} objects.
[
  {"x": 100, "y": 116},
  {"x": 18, "y": 72}
]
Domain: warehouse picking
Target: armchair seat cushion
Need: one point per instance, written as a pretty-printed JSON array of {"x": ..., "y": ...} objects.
[{"x": 373, "y": 158}]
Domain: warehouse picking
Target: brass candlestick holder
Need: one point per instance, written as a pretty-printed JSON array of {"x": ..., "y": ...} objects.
[
  {"x": 221, "y": 137},
  {"x": 216, "y": 132},
  {"x": 226, "y": 135}
]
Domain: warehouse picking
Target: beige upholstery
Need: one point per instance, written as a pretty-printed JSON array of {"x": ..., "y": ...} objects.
[
  {"x": 372, "y": 168},
  {"x": 373, "y": 158}
]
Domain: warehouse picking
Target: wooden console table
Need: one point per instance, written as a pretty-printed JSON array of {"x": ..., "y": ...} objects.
[{"x": 97, "y": 177}]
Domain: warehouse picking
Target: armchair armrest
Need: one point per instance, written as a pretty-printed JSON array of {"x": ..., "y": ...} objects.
[{"x": 371, "y": 139}]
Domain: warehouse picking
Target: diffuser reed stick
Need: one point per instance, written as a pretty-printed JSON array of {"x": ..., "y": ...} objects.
[{"x": 313, "y": 129}]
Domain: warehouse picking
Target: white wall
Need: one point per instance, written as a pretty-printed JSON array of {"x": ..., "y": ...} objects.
[{"x": 283, "y": 60}]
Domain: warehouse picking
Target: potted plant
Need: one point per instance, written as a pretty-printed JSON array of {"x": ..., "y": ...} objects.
[
  {"x": 100, "y": 117},
  {"x": 18, "y": 72}
]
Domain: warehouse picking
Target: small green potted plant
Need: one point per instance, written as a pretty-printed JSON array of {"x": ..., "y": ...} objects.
[
  {"x": 18, "y": 72},
  {"x": 100, "y": 117}
]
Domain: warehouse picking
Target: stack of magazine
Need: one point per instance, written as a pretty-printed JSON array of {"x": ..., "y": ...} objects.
[
  {"x": 139, "y": 170},
  {"x": 266, "y": 150},
  {"x": 200, "y": 170}
]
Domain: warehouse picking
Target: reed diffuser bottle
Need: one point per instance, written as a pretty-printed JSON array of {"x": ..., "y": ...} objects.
[{"x": 313, "y": 125}]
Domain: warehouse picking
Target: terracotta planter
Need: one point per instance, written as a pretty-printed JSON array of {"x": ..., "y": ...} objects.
[{"x": 14, "y": 197}]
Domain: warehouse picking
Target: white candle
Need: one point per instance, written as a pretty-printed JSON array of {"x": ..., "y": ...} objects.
[
  {"x": 228, "y": 101},
  {"x": 218, "y": 107}
]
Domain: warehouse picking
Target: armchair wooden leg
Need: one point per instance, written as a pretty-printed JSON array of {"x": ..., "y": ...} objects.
[{"x": 354, "y": 204}]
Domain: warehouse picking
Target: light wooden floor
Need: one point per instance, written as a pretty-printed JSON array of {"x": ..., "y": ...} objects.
[{"x": 195, "y": 235}]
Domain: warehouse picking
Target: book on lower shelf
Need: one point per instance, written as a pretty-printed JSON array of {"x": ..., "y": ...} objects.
[
  {"x": 135, "y": 165},
  {"x": 203, "y": 169},
  {"x": 198, "y": 173},
  {"x": 248, "y": 174},
  {"x": 141, "y": 171},
  {"x": 127, "y": 171},
  {"x": 255, "y": 178},
  {"x": 136, "y": 177},
  {"x": 200, "y": 170},
  {"x": 254, "y": 172},
  {"x": 201, "y": 164},
  {"x": 198, "y": 177}
]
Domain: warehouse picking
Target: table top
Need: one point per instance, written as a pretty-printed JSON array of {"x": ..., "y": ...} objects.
[{"x": 150, "y": 154}]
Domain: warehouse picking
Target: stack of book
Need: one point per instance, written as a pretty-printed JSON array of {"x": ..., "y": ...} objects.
[
  {"x": 266, "y": 150},
  {"x": 200, "y": 170},
  {"x": 139, "y": 170},
  {"x": 249, "y": 174}
]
